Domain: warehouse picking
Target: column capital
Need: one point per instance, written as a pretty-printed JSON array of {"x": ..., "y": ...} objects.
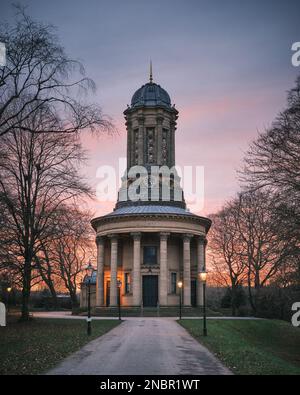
[
  {"x": 99, "y": 240},
  {"x": 187, "y": 237},
  {"x": 159, "y": 119},
  {"x": 164, "y": 235},
  {"x": 202, "y": 239},
  {"x": 141, "y": 120},
  {"x": 113, "y": 237},
  {"x": 136, "y": 235}
]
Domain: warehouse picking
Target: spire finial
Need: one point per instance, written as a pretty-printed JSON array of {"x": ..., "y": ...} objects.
[{"x": 151, "y": 76}]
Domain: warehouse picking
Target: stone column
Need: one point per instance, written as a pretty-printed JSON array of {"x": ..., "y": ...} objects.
[
  {"x": 187, "y": 269},
  {"x": 113, "y": 271},
  {"x": 129, "y": 143},
  {"x": 100, "y": 271},
  {"x": 200, "y": 268},
  {"x": 159, "y": 121},
  {"x": 136, "y": 280},
  {"x": 172, "y": 144},
  {"x": 163, "y": 269},
  {"x": 141, "y": 148}
]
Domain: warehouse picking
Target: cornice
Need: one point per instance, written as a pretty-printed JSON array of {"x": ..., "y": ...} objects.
[{"x": 206, "y": 222}]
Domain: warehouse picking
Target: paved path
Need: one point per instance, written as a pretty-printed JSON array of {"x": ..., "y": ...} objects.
[
  {"x": 143, "y": 346},
  {"x": 68, "y": 315}
]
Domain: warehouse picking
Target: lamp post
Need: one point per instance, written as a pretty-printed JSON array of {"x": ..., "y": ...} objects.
[
  {"x": 202, "y": 276},
  {"x": 119, "y": 283},
  {"x": 8, "y": 289},
  {"x": 179, "y": 284},
  {"x": 89, "y": 271}
]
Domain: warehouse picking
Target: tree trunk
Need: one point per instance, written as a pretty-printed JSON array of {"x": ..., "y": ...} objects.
[
  {"x": 257, "y": 280},
  {"x": 233, "y": 300},
  {"x": 46, "y": 277},
  {"x": 74, "y": 301},
  {"x": 53, "y": 294},
  {"x": 26, "y": 291},
  {"x": 251, "y": 301}
]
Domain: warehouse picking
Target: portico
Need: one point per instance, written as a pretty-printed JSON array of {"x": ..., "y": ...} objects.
[{"x": 124, "y": 255}]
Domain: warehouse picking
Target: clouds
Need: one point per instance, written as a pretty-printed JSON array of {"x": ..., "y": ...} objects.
[{"x": 226, "y": 65}]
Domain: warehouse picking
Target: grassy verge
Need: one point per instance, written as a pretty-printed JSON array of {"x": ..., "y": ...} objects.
[
  {"x": 38, "y": 345},
  {"x": 251, "y": 346}
]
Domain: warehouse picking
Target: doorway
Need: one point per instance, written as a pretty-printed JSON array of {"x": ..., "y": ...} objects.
[{"x": 150, "y": 291}]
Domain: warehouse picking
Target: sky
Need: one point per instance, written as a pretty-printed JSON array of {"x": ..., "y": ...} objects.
[{"x": 226, "y": 65}]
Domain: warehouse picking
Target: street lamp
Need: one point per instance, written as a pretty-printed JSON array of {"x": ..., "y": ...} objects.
[
  {"x": 89, "y": 271},
  {"x": 119, "y": 284},
  {"x": 179, "y": 284},
  {"x": 8, "y": 289},
  {"x": 202, "y": 276}
]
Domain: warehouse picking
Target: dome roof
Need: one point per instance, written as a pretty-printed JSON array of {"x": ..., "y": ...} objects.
[
  {"x": 150, "y": 95},
  {"x": 90, "y": 279},
  {"x": 149, "y": 209}
]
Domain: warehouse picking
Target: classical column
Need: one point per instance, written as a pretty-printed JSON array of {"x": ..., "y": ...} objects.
[
  {"x": 200, "y": 268},
  {"x": 141, "y": 148},
  {"x": 172, "y": 144},
  {"x": 159, "y": 121},
  {"x": 163, "y": 269},
  {"x": 130, "y": 144},
  {"x": 100, "y": 271},
  {"x": 187, "y": 269},
  {"x": 113, "y": 270},
  {"x": 136, "y": 280}
]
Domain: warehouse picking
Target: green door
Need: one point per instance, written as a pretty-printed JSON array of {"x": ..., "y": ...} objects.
[{"x": 150, "y": 291}]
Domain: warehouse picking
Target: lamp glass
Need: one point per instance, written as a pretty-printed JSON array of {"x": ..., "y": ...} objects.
[
  {"x": 9, "y": 289},
  {"x": 89, "y": 269},
  {"x": 179, "y": 284},
  {"x": 203, "y": 276}
]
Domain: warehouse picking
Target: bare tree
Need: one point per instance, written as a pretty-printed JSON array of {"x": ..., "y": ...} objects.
[
  {"x": 273, "y": 163},
  {"x": 66, "y": 251},
  {"x": 38, "y": 72},
  {"x": 273, "y": 159},
  {"x": 45, "y": 265},
  {"x": 246, "y": 244},
  {"x": 72, "y": 248},
  {"x": 262, "y": 248},
  {"x": 226, "y": 251},
  {"x": 38, "y": 173}
]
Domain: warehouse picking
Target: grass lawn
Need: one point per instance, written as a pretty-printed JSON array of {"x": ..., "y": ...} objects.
[
  {"x": 36, "y": 346},
  {"x": 251, "y": 346}
]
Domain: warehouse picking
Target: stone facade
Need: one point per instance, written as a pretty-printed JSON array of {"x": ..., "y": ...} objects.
[{"x": 149, "y": 245}]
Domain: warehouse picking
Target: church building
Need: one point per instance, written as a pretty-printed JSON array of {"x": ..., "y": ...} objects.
[{"x": 151, "y": 241}]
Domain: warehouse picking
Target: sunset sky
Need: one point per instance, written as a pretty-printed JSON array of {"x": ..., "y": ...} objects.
[{"x": 226, "y": 65}]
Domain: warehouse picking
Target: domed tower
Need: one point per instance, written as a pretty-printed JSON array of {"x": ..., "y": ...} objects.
[
  {"x": 151, "y": 125},
  {"x": 150, "y": 241}
]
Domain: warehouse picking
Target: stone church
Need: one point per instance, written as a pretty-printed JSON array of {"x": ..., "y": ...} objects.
[{"x": 151, "y": 241}]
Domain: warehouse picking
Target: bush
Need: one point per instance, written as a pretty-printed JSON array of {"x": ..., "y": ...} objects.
[
  {"x": 240, "y": 298},
  {"x": 275, "y": 302},
  {"x": 43, "y": 300}
]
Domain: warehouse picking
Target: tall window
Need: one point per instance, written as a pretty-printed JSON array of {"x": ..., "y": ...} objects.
[
  {"x": 150, "y": 145},
  {"x": 150, "y": 255},
  {"x": 127, "y": 283},
  {"x": 173, "y": 283},
  {"x": 164, "y": 148}
]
